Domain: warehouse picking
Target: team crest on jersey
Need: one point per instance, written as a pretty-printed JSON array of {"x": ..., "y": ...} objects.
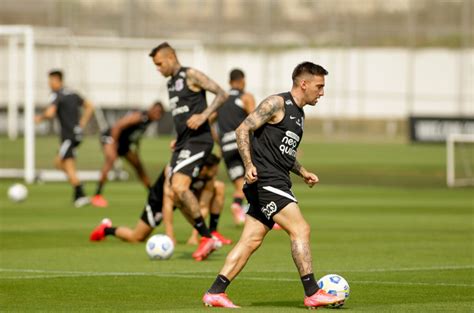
[
  {"x": 184, "y": 154},
  {"x": 269, "y": 209},
  {"x": 288, "y": 102},
  {"x": 179, "y": 84}
]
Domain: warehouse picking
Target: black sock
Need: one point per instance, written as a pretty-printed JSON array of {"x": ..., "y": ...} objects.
[
  {"x": 100, "y": 185},
  {"x": 201, "y": 227},
  {"x": 78, "y": 192},
  {"x": 309, "y": 284},
  {"x": 219, "y": 285},
  {"x": 239, "y": 201},
  {"x": 214, "y": 220},
  {"x": 110, "y": 231}
]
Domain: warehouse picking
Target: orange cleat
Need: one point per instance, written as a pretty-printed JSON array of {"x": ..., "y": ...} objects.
[
  {"x": 238, "y": 214},
  {"x": 221, "y": 238},
  {"x": 218, "y": 300},
  {"x": 98, "y": 233},
  {"x": 206, "y": 247},
  {"x": 99, "y": 201},
  {"x": 321, "y": 298}
]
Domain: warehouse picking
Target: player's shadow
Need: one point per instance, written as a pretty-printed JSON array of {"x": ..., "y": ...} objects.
[{"x": 290, "y": 304}]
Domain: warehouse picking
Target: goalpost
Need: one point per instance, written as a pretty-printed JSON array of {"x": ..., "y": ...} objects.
[
  {"x": 24, "y": 48},
  {"x": 460, "y": 160},
  {"x": 14, "y": 34}
]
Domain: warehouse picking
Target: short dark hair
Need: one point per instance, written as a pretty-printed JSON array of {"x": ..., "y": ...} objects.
[
  {"x": 308, "y": 68},
  {"x": 57, "y": 73},
  {"x": 161, "y": 46},
  {"x": 212, "y": 160},
  {"x": 158, "y": 103},
  {"x": 236, "y": 74}
]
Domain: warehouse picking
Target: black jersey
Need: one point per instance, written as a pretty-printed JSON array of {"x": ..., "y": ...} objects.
[
  {"x": 133, "y": 133},
  {"x": 185, "y": 102},
  {"x": 229, "y": 116},
  {"x": 274, "y": 145},
  {"x": 67, "y": 103}
]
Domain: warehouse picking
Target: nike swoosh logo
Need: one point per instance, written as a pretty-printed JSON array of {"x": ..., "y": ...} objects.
[{"x": 292, "y": 117}]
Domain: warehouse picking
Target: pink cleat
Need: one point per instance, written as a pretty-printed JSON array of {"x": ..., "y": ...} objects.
[
  {"x": 238, "y": 214},
  {"x": 321, "y": 298},
  {"x": 99, "y": 201},
  {"x": 206, "y": 247},
  {"x": 221, "y": 238},
  {"x": 218, "y": 300},
  {"x": 276, "y": 227},
  {"x": 98, "y": 233}
]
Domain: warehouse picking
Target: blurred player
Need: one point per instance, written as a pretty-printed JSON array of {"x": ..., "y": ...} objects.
[
  {"x": 123, "y": 140},
  {"x": 66, "y": 104},
  {"x": 277, "y": 125},
  {"x": 160, "y": 205},
  {"x": 187, "y": 93},
  {"x": 229, "y": 116}
]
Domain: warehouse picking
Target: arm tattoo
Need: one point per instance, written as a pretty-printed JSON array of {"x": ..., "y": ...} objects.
[
  {"x": 200, "y": 79},
  {"x": 301, "y": 253},
  {"x": 262, "y": 114},
  {"x": 297, "y": 168}
]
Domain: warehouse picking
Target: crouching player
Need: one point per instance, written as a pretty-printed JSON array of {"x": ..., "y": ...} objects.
[
  {"x": 161, "y": 202},
  {"x": 122, "y": 140}
]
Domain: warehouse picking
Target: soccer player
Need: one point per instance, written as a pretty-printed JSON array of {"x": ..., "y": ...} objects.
[
  {"x": 123, "y": 139},
  {"x": 160, "y": 205},
  {"x": 277, "y": 126},
  {"x": 232, "y": 113},
  {"x": 187, "y": 93},
  {"x": 66, "y": 104}
]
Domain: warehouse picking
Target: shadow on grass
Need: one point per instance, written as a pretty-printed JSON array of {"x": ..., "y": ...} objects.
[{"x": 290, "y": 304}]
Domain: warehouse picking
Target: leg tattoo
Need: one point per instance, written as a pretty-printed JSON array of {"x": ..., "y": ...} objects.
[{"x": 301, "y": 253}]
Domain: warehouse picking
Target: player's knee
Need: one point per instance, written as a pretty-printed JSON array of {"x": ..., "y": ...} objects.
[
  {"x": 252, "y": 244},
  {"x": 304, "y": 230},
  {"x": 178, "y": 188},
  {"x": 220, "y": 187}
]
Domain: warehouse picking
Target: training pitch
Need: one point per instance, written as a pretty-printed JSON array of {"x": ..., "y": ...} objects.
[{"x": 381, "y": 217}]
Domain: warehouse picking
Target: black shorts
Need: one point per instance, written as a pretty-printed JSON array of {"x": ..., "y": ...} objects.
[
  {"x": 190, "y": 158},
  {"x": 235, "y": 166},
  {"x": 265, "y": 201},
  {"x": 152, "y": 212},
  {"x": 123, "y": 146},
  {"x": 67, "y": 149}
]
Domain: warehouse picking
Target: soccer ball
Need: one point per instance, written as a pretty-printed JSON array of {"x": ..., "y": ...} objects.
[
  {"x": 17, "y": 192},
  {"x": 336, "y": 285},
  {"x": 159, "y": 247}
]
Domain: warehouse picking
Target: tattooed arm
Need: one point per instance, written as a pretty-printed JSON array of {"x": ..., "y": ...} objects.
[
  {"x": 271, "y": 110},
  {"x": 309, "y": 178},
  {"x": 200, "y": 81}
]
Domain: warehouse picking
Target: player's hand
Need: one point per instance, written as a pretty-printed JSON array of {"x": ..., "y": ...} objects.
[
  {"x": 196, "y": 120},
  {"x": 173, "y": 144},
  {"x": 251, "y": 174},
  {"x": 310, "y": 179}
]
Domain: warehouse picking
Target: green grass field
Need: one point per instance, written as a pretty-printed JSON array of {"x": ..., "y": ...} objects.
[{"x": 381, "y": 217}]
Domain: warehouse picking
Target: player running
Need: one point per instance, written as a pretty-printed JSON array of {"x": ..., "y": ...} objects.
[
  {"x": 161, "y": 202},
  {"x": 66, "y": 104},
  {"x": 187, "y": 93},
  {"x": 232, "y": 113},
  {"x": 277, "y": 125},
  {"x": 123, "y": 140}
]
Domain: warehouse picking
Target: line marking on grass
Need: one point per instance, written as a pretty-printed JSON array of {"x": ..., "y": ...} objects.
[{"x": 189, "y": 275}]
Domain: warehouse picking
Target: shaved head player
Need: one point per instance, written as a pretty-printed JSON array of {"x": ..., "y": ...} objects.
[{"x": 187, "y": 93}]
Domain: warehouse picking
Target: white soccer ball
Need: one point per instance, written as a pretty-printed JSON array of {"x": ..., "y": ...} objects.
[
  {"x": 336, "y": 285},
  {"x": 159, "y": 247},
  {"x": 17, "y": 192}
]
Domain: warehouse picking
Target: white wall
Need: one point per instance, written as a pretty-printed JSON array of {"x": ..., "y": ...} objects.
[{"x": 373, "y": 82}]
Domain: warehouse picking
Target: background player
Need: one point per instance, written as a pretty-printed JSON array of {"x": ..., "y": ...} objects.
[
  {"x": 160, "y": 205},
  {"x": 187, "y": 93},
  {"x": 66, "y": 104},
  {"x": 120, "y": 139},
  {"x": 232, "y": 113},
  {"x": 277, "y": 124}
]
